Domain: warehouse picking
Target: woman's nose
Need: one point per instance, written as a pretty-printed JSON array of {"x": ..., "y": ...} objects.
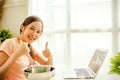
[{"x": 34, "y": 33}]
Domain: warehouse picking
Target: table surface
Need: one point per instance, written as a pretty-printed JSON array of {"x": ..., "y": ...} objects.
[
  {"x": 101, "y": 76},
  {"x": 60, "y": 76}
]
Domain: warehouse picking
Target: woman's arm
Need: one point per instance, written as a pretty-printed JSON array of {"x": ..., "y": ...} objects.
[
  {"x": 3, "y": 58},
  {"x": 47, "y": 53},
  {"x": 40, "y": 59},
  {"x": 6, "y": 61}
]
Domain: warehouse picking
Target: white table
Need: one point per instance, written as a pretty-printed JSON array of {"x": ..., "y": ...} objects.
[
  {"x": 59, "y": 75},
  {"x": 100, "y": 76}
]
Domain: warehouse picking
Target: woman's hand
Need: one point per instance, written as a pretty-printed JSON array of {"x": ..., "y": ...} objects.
[
  {"x": 22, "y": 49},
  {"x": 46, "y": 52},
  {"x": 45, "y": 58}
]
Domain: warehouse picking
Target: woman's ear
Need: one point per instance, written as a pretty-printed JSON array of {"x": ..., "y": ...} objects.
[{"x": 22, "y": 27}]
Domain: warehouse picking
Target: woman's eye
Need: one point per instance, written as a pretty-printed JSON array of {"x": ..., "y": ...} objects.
[
  {"x": 38, "y": 31},
  {"x": 32, "y": 28}
]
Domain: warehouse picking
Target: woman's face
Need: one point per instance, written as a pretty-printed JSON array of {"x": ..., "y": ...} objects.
[{"x": 31, "y": 32}]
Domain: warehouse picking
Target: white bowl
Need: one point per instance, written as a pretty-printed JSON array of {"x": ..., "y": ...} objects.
[
  {"x": 39, "y": 72},
  {"x": 40, "y": 76}
]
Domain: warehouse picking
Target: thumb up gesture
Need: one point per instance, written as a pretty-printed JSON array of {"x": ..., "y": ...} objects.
[{"x": 46, "y": 52}]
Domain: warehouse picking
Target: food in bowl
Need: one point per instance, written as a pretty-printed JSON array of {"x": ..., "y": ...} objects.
[{"x": 39, "y": 76}]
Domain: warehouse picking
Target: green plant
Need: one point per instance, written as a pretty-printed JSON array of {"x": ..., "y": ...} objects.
[
  {"x": 115, "y": 64},
  {"x": 5, "y": 34}
]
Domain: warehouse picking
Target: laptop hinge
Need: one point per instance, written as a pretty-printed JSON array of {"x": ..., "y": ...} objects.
[{"x": 91, "y": 72}]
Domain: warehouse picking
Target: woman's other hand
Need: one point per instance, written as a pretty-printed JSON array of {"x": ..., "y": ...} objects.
[
  {"x": 46, "y": 52},
  {"x": 22, "y": 49}
]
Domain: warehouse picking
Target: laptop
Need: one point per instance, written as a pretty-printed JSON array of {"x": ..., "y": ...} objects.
[{"x": 91, "y": 70}]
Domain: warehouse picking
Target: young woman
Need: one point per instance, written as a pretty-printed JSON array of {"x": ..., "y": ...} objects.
[{"x": 18, "y": 53}]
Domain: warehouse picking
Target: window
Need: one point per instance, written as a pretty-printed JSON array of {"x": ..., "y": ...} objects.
[{"x": 75, "y": 28}]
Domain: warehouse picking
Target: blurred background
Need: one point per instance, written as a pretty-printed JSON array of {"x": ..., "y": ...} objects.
[{"x": 74, "y": 29}]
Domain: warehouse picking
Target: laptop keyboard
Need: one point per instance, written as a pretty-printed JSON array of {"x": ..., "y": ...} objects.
[{"x": 82, "y": 72}]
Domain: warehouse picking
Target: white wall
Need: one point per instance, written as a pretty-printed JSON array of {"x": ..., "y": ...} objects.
[{"x": 13, "y": 15}]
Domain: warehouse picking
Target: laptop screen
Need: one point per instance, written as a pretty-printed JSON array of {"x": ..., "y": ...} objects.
[{"x": 97, "y": 60}]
